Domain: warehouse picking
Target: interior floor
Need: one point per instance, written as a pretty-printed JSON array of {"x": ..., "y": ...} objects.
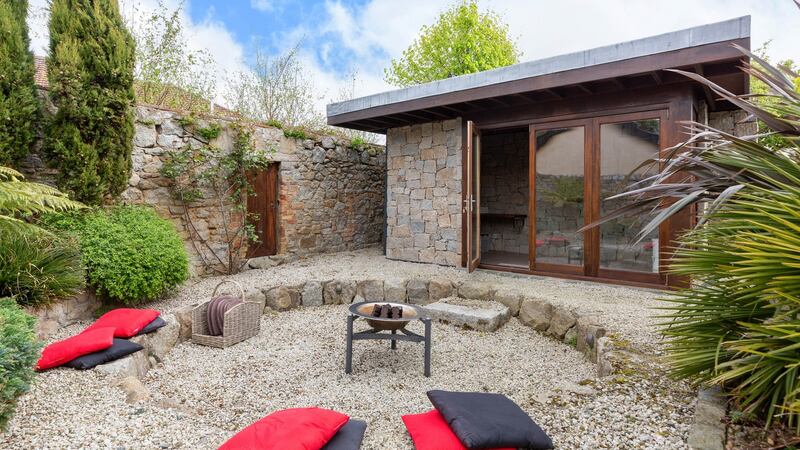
[{"x": 501, "y": 258}]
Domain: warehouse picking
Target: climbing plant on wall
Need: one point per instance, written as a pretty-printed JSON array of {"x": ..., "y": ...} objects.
[
  {"x": 90, "y": 72},
  {"x": 210, "y": 176},
  {"x": 19, "y": 108}
]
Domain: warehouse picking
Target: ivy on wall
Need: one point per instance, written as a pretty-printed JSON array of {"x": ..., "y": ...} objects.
[{"x": 209, "y": 176}]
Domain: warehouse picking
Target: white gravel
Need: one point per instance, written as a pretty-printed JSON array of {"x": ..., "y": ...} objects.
[{"x": 202, "y": 395}]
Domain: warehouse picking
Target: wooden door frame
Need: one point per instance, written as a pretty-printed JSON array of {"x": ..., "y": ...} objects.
[
  {"x": 663, "y": 231},
  {"x": 587, "y": 136},
  {"x": 677, "y": 100},
  {"x": 472, "y": 207}
]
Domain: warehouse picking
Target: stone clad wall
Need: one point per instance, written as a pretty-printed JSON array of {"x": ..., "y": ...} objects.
[
  {"x": 423, "y": 210},
  {"x": 504, "y": 190}
]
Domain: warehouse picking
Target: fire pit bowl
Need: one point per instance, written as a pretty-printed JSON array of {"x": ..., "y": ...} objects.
[{"x": 364, "y": 310}]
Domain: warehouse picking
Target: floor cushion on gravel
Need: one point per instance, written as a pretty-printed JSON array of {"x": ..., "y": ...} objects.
[
  {"x": 483, "y": 420},
  {"x": 120, "y": 349},
  {"x": 429, "y": 431},
  {"x": 289, "y": 429},
  {"x": 126, "y": 321},
  {"x": 348, "y": 437},
  {"x": 151, "y": 327},
  {"x": 61, "y": 352},
  {"x": 215, "y": 315}
]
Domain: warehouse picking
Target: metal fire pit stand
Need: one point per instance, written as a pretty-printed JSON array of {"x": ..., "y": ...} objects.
[{"x": 394, "y": 337}]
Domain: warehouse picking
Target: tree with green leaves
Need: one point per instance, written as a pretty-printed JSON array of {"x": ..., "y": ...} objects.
[
  {"x": 19, "y": 107},
  {"x": 463, "y": 40},
  {"x": 90, "y": 72}
]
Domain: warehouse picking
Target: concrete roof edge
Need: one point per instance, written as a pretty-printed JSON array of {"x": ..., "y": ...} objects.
[{"x": 727, "y": 30}]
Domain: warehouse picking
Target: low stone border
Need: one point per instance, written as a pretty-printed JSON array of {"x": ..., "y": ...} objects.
[
  {"x": 584, "y": 332},
  {"x": 64, "y": 313},
  {"x": 708, "y": 428}
]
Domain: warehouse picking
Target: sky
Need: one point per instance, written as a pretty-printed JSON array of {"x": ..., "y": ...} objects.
[{"x": 341, "y": 37}]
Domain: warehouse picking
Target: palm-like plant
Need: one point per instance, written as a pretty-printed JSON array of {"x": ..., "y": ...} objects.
[
  {"x": 20, "y": 198},
  {"x": 738, "y": 325}
]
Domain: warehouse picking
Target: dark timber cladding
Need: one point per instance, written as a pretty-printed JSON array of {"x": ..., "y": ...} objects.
[{"x": 543, "y": 146}]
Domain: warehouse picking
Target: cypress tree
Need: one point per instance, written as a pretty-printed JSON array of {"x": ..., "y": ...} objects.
[
  {"x": 90, "y": 72},
  {"x": 19, "y": 106}
]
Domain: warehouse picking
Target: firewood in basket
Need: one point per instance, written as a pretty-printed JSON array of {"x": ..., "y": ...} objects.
[
  {"x": 385, "y": 310},
  {"x": 396, "y": 314},
  {"x": 376, "y": 311}
]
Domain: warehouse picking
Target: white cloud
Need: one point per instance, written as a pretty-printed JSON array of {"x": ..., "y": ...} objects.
[
  {"x": 209, "y": 34},
  {"x": 364, "y": 38},
  {"x": 380, "y": 30},
  {"x": 261, "y": 5}
]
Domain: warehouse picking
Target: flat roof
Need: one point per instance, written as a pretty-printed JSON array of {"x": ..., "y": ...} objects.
[{"x": 729, "y": 30}]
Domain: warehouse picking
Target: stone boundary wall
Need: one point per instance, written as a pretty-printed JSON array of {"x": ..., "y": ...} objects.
[
  {"x": 331, "y": 196},
  {"x": 423, "y": 196},
  {"x": 584, "y": 332}
]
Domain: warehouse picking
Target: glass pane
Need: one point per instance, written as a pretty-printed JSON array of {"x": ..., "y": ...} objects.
[
  {"x": 476, "y": 158},
  {"x": 623, "y": 147},
  {"x": 559, "y": 195}
]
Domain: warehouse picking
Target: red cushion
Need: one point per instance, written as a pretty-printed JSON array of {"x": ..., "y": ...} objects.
[
  {"x": 126, "y": 321},
  {"x": 429, "y": 431},
  {"x": 62, "y": 352},
  {"x": 290, "y": 429}
]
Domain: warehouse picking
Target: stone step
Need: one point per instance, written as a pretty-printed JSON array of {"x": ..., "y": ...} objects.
[{"x": 477, "y": 315}]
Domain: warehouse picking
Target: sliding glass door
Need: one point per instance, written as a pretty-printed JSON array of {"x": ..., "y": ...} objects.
[
  {"x": 558, "y": 154},
  {"x": 577, "y": 168}
]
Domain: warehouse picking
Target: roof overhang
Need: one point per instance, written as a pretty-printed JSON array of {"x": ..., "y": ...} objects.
[{"x": 706, "y": 49}]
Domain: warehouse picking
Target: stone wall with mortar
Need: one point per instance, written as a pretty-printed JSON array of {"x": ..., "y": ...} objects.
[
  {"x": 423, "y": 196},
  {"x": 732, "y": 122},
  {"x": 331, "y": 195},
  {"x": 504, "y": 190}
]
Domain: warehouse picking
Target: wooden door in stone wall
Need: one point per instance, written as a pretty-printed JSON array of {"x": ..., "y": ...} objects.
[{"x": 262, "y": 208}]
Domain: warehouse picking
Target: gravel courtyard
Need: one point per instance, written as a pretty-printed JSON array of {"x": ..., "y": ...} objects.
[{"x": 200, "y": 396}]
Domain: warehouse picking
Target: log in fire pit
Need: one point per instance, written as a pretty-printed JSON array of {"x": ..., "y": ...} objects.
[{"x": 387, "y": 316}]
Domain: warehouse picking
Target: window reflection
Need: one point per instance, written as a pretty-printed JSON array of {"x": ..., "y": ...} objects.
[
  {"x": 623, "y": 147},
  {"x": 559, "y": 195}
]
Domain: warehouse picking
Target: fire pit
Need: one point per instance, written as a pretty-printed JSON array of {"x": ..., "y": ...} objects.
[{"x": 387, "y": 316}]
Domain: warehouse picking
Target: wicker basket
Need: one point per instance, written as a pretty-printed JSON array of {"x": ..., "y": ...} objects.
[{"x": 241, "y": 322}]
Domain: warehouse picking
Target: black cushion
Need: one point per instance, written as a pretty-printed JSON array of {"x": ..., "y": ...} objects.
[
  {"x": 482, "y": 420},
  {"x": 120, "y": 348},
  {"x": 348, "y": 437},
  {"x": 157, "y": 323}
]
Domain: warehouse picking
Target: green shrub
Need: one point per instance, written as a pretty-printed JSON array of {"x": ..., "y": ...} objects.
[
  {"x": 210, "y": 132},
  {"x": 274, "y": 123},
  {"x": 19, "y": 351},
  {"x": 295, "y": 133},
  {"x": 131, "y": 255},
  {"x": 358, "y": 143},
  {"x": 36, "y": 268}
]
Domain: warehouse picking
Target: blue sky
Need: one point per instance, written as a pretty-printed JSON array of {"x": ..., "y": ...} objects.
[{"x": 340, "y": 36}]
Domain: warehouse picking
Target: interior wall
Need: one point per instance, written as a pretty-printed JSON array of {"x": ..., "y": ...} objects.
[{"x": 504, "y": 190}]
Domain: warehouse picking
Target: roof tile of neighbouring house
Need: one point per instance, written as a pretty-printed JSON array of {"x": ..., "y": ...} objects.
[
  {"x": 40, "y": 78},
  {"x": 730, "y": 30}
]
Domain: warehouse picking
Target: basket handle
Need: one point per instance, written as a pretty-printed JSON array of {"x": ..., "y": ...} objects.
[{"x": 228, "y": 280}]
